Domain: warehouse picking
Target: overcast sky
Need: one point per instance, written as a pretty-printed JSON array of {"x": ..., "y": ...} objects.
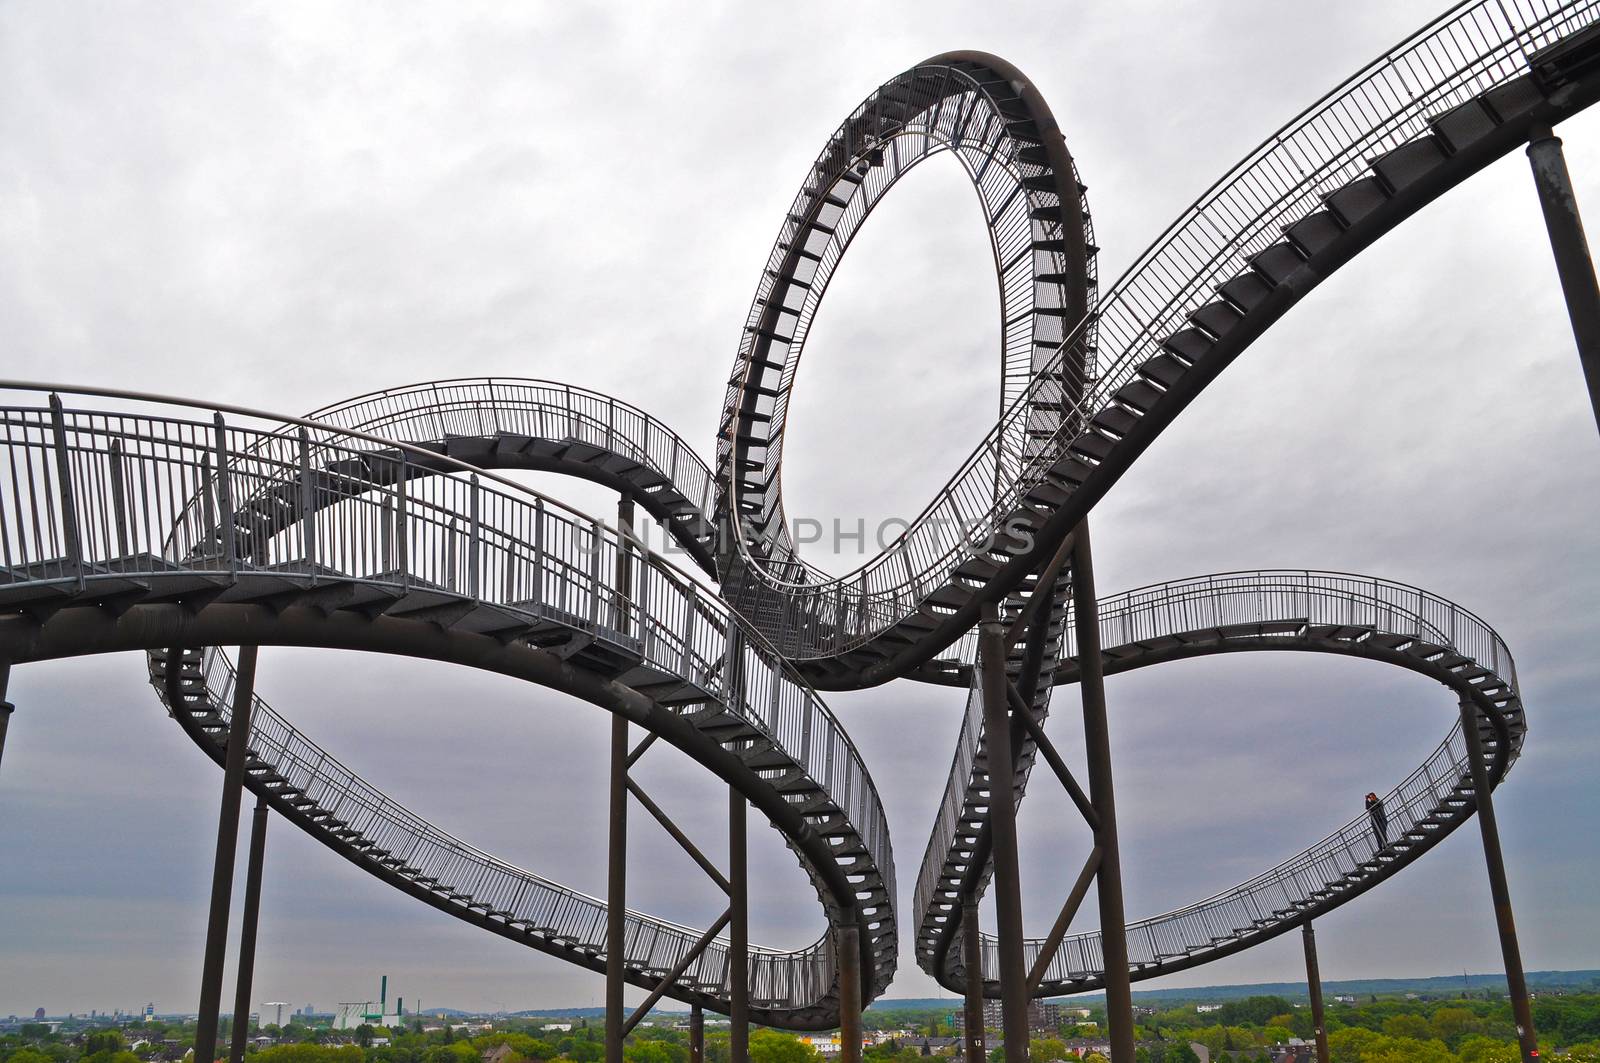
[{"x": 286, "y": 204}]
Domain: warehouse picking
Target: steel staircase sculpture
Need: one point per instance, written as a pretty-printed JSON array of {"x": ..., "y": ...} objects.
[
  {"x": 380, "y": 524},
  {"x": 340, "y": 535},
  {"x": 1462, "y": 92}
]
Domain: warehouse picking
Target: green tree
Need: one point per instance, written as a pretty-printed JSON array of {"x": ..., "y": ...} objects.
[
  {"x": 586, "y": 1052},
  {"x": 1043, "y": 1050},
  {"x": 309, "y": 1053},
  {"x": 770, "y": 1046},
  {"x": 1476, "y": 1048},
  {"x": 1414, "y": 1027},
  {"x": 102, "y": 1041},
  {"x": 655, "y": 1051}
]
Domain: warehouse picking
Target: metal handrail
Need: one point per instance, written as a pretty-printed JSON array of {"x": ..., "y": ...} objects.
[
  {"x": 1468, "y": 50},
  {"x": 437, "y": 409},
  {"x": 360, "y": 804},
  {"x": 106, "y": 496},
  {"x": 1237, "y": 600}
]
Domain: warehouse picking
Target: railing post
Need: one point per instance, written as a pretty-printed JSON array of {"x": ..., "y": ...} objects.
[
  {"x": 1319, "y": 1026},
  {"x": 205, "y": 1040},
  {"x": 1097, "y": 747},
  {"x": 692, "y": 609},
  {"x": 402, "y": 521},
  {"x": 6, "y": 708},
  {"x": 308, "y": 513},
  {"x": 1573, "y": 265},
  {"x": 474, "y": 544},
  {"x": 624, "y": 588},
  {"x": 230, "y": 548},
  {"x": 247, "y": 932},
  {"x": 1013, "y": 969},
  {"x": 70, "y": 528},
  {"x": 738, "y": 933},
  {"x": 972, "y": 959},
  {"x": 119, "y": 498},
  {"x": 1499, "y": 889},
  {"x": 847, "y": 946},
  {"x": 538, "y": 551}
]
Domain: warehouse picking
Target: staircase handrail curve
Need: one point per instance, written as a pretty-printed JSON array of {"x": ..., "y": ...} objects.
[
  {"x": 558, "y": 915},
  {"x": 1310, "y": 597},
  {"x": 295, "y": 746},
  {"x": 1146, "y": 302},
  {"x": 379, "y": 410},
  {"x": 265, "y": 437},
  {"x": 184, "y": 448},
  {"x": 1351, "y": 838}
]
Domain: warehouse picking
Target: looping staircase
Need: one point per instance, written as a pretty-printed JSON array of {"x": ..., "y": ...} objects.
[{"x": 1305, "y": 611}]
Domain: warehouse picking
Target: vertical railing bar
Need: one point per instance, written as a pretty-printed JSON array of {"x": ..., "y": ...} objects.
[{"x": 69, "y": 505}]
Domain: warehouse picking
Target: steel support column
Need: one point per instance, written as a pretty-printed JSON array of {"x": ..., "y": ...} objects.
[
  {"x": 697, "y": 1034},
  {"x": 616, "y": 890},
  {"x": 616, "y": 894},
  {"x": 1516, "y": 983},
  {"x": 972, "y": 961},
  {"x": 205, "y": 1038},
  {"x": 1097, "y": 747},
  {"x": 617, "y": 841},
  {"x": 1573, "y": 264},
  {"x": 738, "y": 933},
  {"x": 1319, "y": 1024},
  {"x": 6, "y": 708},
  {"x": 847, "y": 946},
  {"x": 247, "y": 932},
  {"x": 1013, "y": 970}
]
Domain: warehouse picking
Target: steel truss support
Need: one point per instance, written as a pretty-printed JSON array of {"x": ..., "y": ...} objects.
[
  {"x": 1319, "y": 1025},
  {"x": 1003, "y": 824},
  {"x": 6, "y": 708},
  {"x": 697, "y": 1034},
  {"x": 1516, "y": 983},
  {"x": 972, "y": 960},
  {"x": 1097, "y": 746},
  {"x": 1573, "y": 264},
  {"x": 247, "y": 932},
  {"x": 1069, "y": 909},
  {"x": 205, "y": 1038},
  {"x": 673, "y": 975}
]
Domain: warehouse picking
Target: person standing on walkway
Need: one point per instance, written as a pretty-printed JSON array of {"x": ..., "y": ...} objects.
[{"x": 1380, "y": 819}]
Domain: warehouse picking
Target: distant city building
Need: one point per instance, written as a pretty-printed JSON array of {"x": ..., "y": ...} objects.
[
  {"x": 38, "y": 1013},
  {"x": 1206, "y": 1009},
  {"x": 1043, "y": 1017},
  {"x": 150, "y": 1012},
  {"x": 823, "y": 1044}
]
